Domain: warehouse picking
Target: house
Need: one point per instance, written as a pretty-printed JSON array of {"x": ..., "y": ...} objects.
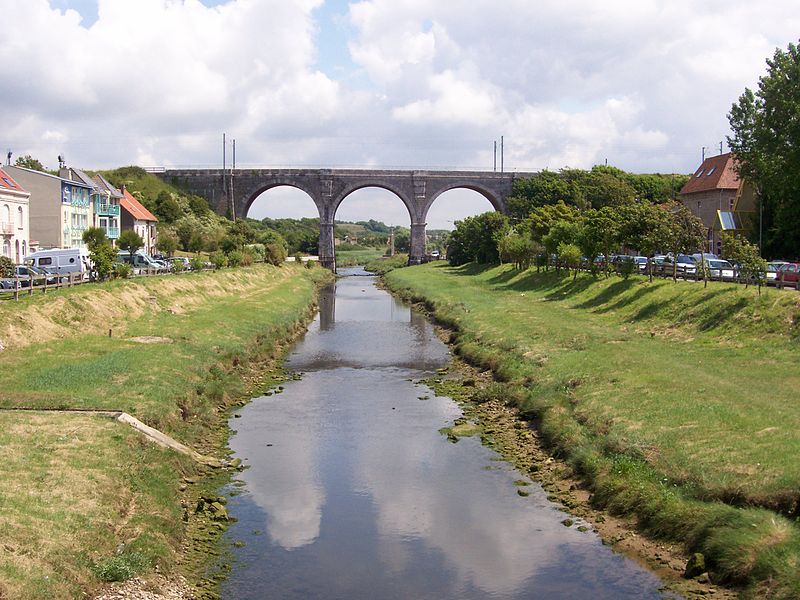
[
  {"x": 139, "y": 219},
  {"x": 14, "y": 218},
  {"x": 107, "y": 208},
  {"x": 721, "y": 200},
  {"x": 60, "y": 210}
]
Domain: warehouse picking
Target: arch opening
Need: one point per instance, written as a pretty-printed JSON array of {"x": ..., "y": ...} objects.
[
  {"x": 367, "y": 220},
  {"x": 455, "y": 204},
  {"x": 291, "y": 212}
]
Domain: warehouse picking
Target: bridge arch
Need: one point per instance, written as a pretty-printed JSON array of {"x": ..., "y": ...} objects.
[
  {"x": 365, "y": 184},
  {"x": 254, "y": 193},
  {"x": 497, "y": 202}
]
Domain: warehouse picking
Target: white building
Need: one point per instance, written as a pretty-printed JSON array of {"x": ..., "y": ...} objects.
[{"x": 14, "y": 218}]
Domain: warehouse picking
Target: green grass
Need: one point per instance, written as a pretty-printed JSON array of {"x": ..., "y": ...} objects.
[
  {"x": 75, "y": 487},
  {"x": 673, "y": 400},
  {"x": 350, "y": 258},
  {"x": 383, "y": 265}
]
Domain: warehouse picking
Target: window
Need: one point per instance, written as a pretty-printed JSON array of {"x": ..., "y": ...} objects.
[
  {"x": 700, "y": 173},
  {"x": 20, "y": 219},
  {"x": 6, "y": 214},
  {"x": 710, "y": 171},
  {"x": 7, "y": 248},
  {"x": 45, "y": 260}
]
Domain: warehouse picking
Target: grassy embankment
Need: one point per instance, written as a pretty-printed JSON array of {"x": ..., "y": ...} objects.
[
  {"x": 350, "y": 258},
  {"x": 675, "y": 403},
  {"x": 382, "y": 265},
  {"x": 86, "y": 498}
]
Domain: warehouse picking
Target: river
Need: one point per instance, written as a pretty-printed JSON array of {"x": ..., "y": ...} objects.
[{"x": 352, "y": 492}]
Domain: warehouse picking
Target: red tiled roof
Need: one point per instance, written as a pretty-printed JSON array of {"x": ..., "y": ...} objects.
[
  {"x": 716, "y": 173},
  {"x": 135, "y": 208},
  {"x": 7, "y": 182}
]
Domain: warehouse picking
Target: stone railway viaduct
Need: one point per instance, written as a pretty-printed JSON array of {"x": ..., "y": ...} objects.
[{"x": 237, "y": 189}]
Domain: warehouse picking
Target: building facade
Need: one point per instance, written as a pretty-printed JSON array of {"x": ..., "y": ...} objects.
[
  {"x": 14, "y": 218},
  {"x": 136, "y": 217},
  {"x": 60, "y": 209},
  {"x": 107, "y": 209},
  {"x": 721, "y": 200}
]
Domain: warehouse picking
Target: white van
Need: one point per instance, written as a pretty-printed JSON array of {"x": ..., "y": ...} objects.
[{"x": 60, "y": 260}]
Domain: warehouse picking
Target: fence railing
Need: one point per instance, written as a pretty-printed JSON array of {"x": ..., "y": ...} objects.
[{"x": 16, "y": 286}]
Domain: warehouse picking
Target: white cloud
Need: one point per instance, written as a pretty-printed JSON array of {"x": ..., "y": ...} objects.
[{"x": 643, "y": 84}]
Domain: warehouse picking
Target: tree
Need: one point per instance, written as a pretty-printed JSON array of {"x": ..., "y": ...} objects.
[
  {"x": 542, "y": 218},
  {"x": 167, "y": 241},
  {"x": 752, "y": 266},
  {"x": 197, "y": 243},
  {"x": 645, "y": 227},
  {"x": 685, "y": 233},
  {"x": 475, "y": 239},
  {"x": 198, "y": 205},
  {"x": 570, "y": 254},
  {"x": 545, "y": 188},
  {"x": 130, "y": 241},
  {"x": 518, "y": 249},
  {"x": 605, "y": 189},
  {"x": 562, "y": 234},
  {"x": 168, "y": 209},
  {"x": 766, "y": 130},
  {"x": 600, "y": 233},
  {"x": 101, "y": 252},
  {"x": 28, "y": 162}
]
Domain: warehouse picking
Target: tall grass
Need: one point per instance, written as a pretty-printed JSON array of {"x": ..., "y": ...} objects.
[{"x": 86, "y": 499}]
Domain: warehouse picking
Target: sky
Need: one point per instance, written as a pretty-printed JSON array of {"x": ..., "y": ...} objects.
[{"x": 643, "y": 85}]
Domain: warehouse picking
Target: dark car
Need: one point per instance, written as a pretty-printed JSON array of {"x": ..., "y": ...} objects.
[{"x": 26, "y": 274}]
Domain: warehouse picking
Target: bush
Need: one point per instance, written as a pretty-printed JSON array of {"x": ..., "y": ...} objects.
[
  {"x": 6, "y": 267},
  {"x": 627, "y": 267},
  {"x": 275, "y": 254},
  {"x": 234, "y": 258},
  {"x": 123, "y": 270},
  {"x": 196, "y": 263},
  {"x": 178, "y": 266},
  {"x": 248, "y": 257},
  {"x": 218, "y": 259}
]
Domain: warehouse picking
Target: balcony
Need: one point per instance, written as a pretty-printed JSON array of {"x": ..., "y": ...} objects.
[
  {"x": 106, "y": 209},
  {"x": 112, "y": 233},
  {"x": 6, "y": 229},
  {"x": 77, "y": 230}
]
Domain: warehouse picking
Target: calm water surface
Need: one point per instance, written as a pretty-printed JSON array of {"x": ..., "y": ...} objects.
[{"x": 351, "y": 492}]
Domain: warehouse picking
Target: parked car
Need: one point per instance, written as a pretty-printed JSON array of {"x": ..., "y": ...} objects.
[
  {"x": 139, "y": 260},
  {"x": 772, "y": 270},
  {"x": 183, "y": 260},
  {"x": 720, "y": 269},
  {"x": 657, "y": 263},
  {"x": 641, "y": 263},
  {"x": 682, "y": 265},
  {"x": 24, "y": 273},
  {"x": 788, "y": 273}
]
